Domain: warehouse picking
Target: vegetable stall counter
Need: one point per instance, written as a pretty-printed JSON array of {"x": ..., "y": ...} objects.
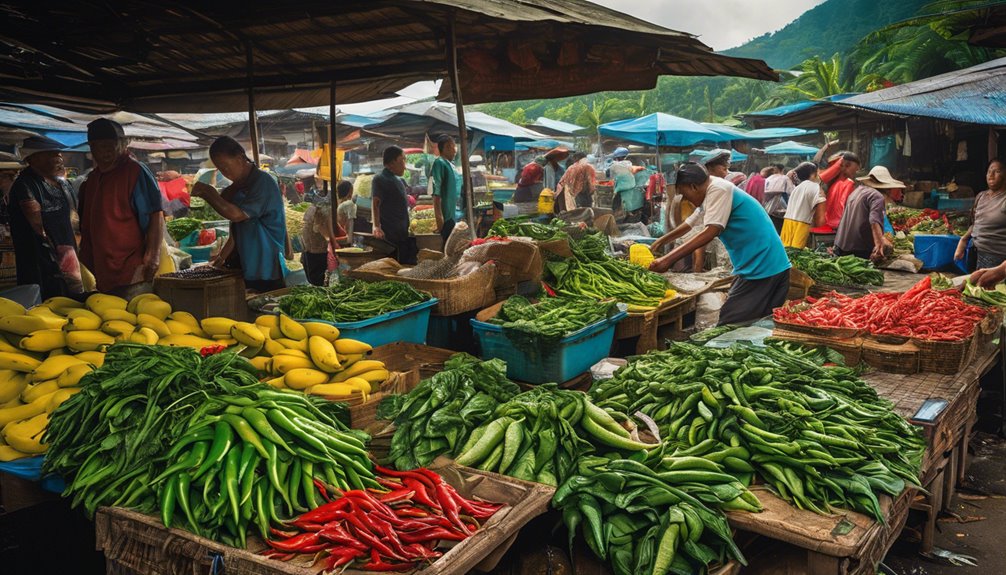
[{"x": 646, "y": 325}]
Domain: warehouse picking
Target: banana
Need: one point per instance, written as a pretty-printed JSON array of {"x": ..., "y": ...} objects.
[
  {"x": 148, "y": 335},
  {"x": 155, "y": 307},
  {"x": 44, "y": 311},
  {"x": 131, "y": 307},
  {"x": 282, "y": 364},
  {"x": 375, "y": 376},
  {"x": 8, "y": 453},
  {"x": 278, "y": 382},
  {"x": 25, "y": 324},
  {"x": 10, "y": 307},
  {"x": 181, "y": 328},
  {"x": 59, "y": 397},
  {"x": 360, "y": 383},
  {"x": 225, "y": 340},
  {"x": 184, "y": 317},
  {"x": 118, "y": 314},
  {"x": 325, "y": 330},
  {"x": 303, "y": 378},
  {"x": 154, "y": 323},
  {"x": 333, "y": 390},
  {"x": 37, "y": 390},
  {"x": 12, "y": 403},
  {"x": 88, "y": 340},
  {"x": 248, "y": 334},
  {"x": 58, "y": 351},
  {"x": 18, "y": 362},
  {"x": 272, "y": 347},
  {"x": 291, "y": 328},
  {"x": 263, "y": 364},
  {"x": 292, "y": 353},
  {"x": 44, "y": 340},
  {"x": 12, "y": 383},
  {"x": 269, "y": 323},
  {"x": 323, "y": 354},
  {"x": 72, "y": 376},
  {"x": 99, "y": 303},
  {"x": 351, "y": 346},
  {"x": 6, "y": 346},
  {"x": 23, "y": 412},
  {"x": 82, "y": 319},
  {"x": 358, "y": 368},
  {"x": 118, "y": 328},
  {"x": 55, "y": 366},
  {"x": 217, "y": 325},
  {"x": 95, "y": 358},
  {"x": 293, "y": 344},
  {"x": 24, "y": 436},
  {"x": 63, "y": 305},
  {"x": 193, "y": 341},
  {"x": 348, "y": 360}
]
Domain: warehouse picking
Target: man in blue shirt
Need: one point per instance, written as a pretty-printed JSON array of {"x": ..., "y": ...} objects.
[
  {"x": 757, "y": 253},
  {"x": 445, "y": 186},
  {"x": 390, "y": 207}
]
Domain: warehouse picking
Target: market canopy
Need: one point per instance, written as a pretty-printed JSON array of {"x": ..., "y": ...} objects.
[
  {"x": 431, "y": 117},
  {"x": 790, "y": 148},
  {"x": 661, "y": 129},
  {"x": 555, "y": 127},
  {"x": 194, "y": 56}
]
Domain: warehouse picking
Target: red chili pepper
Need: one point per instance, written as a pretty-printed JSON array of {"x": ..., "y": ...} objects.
[
  {"x": 403, "y": 475},
  {"x": 340, "y": 557},
  {"x": 323, "y": 514},
  {"x": 296, "y": 543},
  {"x": 323, "y": 490},
  {"x": 432, "y": 534},
  {"x": 393, "y": 497},
  {"x": 450, "y": 507},
  {"x": 421, "y": 496}
]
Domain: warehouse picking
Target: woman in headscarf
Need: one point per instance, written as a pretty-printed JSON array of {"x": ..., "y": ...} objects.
[{"x": 530, "y": 183}]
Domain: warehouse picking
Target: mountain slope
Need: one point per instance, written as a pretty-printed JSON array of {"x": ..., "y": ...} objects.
[{"x": 834, "y": 26}]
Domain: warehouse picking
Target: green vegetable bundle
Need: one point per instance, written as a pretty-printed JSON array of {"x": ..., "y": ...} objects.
[
  {"x": 609, "y": 279},
  {"x": 841, "y": 271},
  {"x": 537, "y": 327},
  {"x": 995, "y": 296},
  {"x": 818, "y": 435},
  {"x": 179, "y": 228},
  {"x": 541, "y": 434},
  {"x": 202, "y": 441},
  {"x": 439, "y": 414},
  {"x": 508, "y": 227},
  {"x": 350, "y": 301}
]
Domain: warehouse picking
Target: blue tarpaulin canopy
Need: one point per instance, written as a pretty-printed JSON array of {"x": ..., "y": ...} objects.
[
  {"x": 661, "y": 129},
  {"x": 546, "y": 144},
  {"x": 735, "y": 156},
  {"x": 799, "y": 106},
  {"x": 777, "y": 133},
  {"x": 791, "y": 148},
  {"x": 728, "y": 132}
]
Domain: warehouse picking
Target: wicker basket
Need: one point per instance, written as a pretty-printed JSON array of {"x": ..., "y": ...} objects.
[
  {"x": 824, "y": 332},
  {"x": 946, "y": 357},
  {"x": 222, "y": 295},
  {"x": 456, "y": 295},
  {"x": 851, "y": 349},
  {"x": 891, "y": 358}
]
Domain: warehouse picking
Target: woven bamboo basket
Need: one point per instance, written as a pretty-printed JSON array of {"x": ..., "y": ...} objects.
[
  {"x": 456, "y": 295},
  {"x": 891, "y": 358},
  {"x": 946, "y": 357}
]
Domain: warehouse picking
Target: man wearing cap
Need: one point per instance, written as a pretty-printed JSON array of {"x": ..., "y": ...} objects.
[
  {"x": 45, "y": 248},
  {"x": 727, "y": 212},
  {"x": 861, "y": 231},
  {"x": 121, "y": 217},
  {"x": 838, "y": 177},
  {"x": 445, "y": 186}
]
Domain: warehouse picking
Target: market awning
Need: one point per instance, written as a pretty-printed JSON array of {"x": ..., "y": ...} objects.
[
  {"x": 188, "y": 55},
  {"x": 430, "y": 117},
  {"x": 555, "y": 127},
  {"x": 791, "y": 148},
  {"x": 661, "y": 129}
]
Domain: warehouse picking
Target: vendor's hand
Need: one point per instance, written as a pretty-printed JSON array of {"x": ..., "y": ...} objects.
[
  {"x": 959, "y": 253},
  {"x": 877, "y": 254},
  {"x": 989, "y": 277},
  {"x": 660, "y": 265},
  {"x": 150, "y": 270},
  {"x": 379, "y": 233},
  {"x": 202, "y": 190}
]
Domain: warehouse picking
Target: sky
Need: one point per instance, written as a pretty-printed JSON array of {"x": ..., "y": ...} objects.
[{"x": 720, "y": 24}]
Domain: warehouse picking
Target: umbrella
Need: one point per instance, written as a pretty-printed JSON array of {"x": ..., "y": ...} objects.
[
  {"x": 661, "y": 129},
  {"x": 791, "y": 148}
]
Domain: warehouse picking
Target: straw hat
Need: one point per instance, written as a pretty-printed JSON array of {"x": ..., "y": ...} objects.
[
  {"x": 881, "y": 179},
  {"x": 557, "y": 154}
]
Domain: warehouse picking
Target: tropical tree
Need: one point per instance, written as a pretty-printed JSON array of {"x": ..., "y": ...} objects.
[{"x": 599, "y": 112}]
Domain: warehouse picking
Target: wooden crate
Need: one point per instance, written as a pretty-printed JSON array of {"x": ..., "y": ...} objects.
[
  {"x": 645, "y": 325},
  {"x": 221, "y": 296}
]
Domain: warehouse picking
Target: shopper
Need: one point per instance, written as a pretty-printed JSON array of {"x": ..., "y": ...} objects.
[
  {"x": 254, "y": 205},
  {"x": 727, "y": 212},
  {"x": 988, "y": 232},
  {"x": 861, "y": 231},
  {"x": 445, "y": 186},
  {"x": 317, "y": 236},
  {"x": 391, "y": 208},
  {"x": 806, "y": 208},
  {"x": 838, "y": 177},
  {"x": 345, "y": 214}
]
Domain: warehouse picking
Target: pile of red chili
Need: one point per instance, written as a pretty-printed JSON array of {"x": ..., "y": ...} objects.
[
  {"x": 920, "y": 312},
  {"x": 394, "y": 530}
]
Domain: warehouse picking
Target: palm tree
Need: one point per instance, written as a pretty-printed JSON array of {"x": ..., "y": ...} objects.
[{"x": 599, "y": 112}]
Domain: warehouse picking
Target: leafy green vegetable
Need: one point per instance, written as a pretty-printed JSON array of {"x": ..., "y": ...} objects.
[
  {"x": 181, "y": 227},
  {"x": 506, "y": 227},
  {"x": 536, "y": 328},
  {"x": 842, "y": 271},
  {"x": 350, "y": 301}
]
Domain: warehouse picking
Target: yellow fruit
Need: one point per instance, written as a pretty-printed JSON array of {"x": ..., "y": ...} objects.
[
  {"x": 59, "y": 397},
  {"x": 72, "y": 376},
  {"x": 375, "y": 376},
  {"x": 25, "y": 324},
  {"x": 44, "y": 340},
  {"x": 131, "y": 307},
  {"x": 262, "y": 364},
  {"x": 147, "y": 336},
  {"x": 155, "y": 307},
  {"x": 184, "y": 317},
  {"x": 117, "y": 328},
  {"x": 332, "y": 390},
  {"x": 351, "y": 346},
  {"x": 247, "y": 334},
  {"x": 55, "y": 366},
  {"x": 293, "y": 353},
  {"x": 12, "y": 383},
  {"x": 95, "y": 358},
  {"x": 88, "y": 340},
  {"x": 293, "y": 344},
  {"x": 348, "y": 360},
  {"x": 291, "y": 328},
  {"x": 59, "y": 351},
  {"x": 118, "y": 314},
  {"x": 270, "y": 324},
  {"x": 277, "y": 382},
  {"x": 323, "y": 354},
  {"x": 63, "y": 305},
  {"x": 282, "y": 364},
  {"x": 10, "y": 307},
  {"x": 303, "y": 378},
  {"x": 360, "y": 383},
  {"x": 181, "y": 328},
  {"x": 359, "y": 368},
  {"x": 154, "y": 323},
  {"x": 8, "y": 453},
  {"x": 225, "y": 340},
  {"x": 35, "y": 391},
  {"x": 217, "y": 325},
  {"x": 82, "y": 319},
  {"x": 23, "y": 412},
  {"x": 195, "y": 342},
  {"x": 325, "y": 330},
  {"x": 272, "y": 347},
  {"x": 12, "y": 403},
  {"x": 99, "y": 303},
  {"x": 43, "y": 311},
  {"x": 6, "y": 346},
  {"x": 18, "y": 362},
  {"x": 25, "y": 436}
]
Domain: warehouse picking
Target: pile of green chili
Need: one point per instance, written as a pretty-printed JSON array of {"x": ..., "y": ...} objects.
[
  {"x": 535, "y": 328},
  {"x": 350, "y": 301}
]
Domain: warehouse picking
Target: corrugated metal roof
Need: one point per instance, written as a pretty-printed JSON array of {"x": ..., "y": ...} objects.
[{"x": 555, "y": 126}]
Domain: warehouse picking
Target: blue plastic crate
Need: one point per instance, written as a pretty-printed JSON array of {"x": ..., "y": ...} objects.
[
  {"x": 935, "y": 251},
  {"x": 199, "y": 254},
  {"x": 30, "y": 469},
  {"x": 954, "y": 204},
  {"x": 573, "y": 355},
  {"x": 503, "y": 195},
  {"x": 406, "y": 325}
]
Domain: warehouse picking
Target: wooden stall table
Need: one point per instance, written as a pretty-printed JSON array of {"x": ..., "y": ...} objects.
[{"x": 645, "y": 325}]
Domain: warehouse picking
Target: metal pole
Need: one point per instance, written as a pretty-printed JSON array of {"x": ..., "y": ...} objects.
[
  {"x": 252, "y": 116},
  {"x": 452, "y": 57}
]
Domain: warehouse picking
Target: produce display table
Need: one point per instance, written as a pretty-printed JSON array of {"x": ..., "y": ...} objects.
[{"x": 645, "y": 325}]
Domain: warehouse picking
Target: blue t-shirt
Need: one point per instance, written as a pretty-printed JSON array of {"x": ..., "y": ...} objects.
[
  {"x": 261, "y": 239},
  {"x": 146, "y": 198}
]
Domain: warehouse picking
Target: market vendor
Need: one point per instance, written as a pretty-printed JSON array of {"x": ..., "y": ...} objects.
[
  {"x": 806, "y": 208},
  {"x": 576, "y": 188},
  {"x": 728, "y": 213},
  {"x": 391, "y": 207},
  {"x": 531, "y": 181},
  {"x": 553, "y": 169},
  {"x": 254, "y": 205},
  {"x": 838, "y": 177},
  {"x": 861, "y": 231},
  {"x": 444, "y": 186},
  {"x": 988, "y": 232}
]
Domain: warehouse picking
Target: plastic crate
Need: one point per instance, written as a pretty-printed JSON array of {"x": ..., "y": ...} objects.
[
  {"x": 503, "y": 195},
  {"x": 950, "y": 204},
  {"x": 935, "y": 251},
  {"x": 573, "y": 355},
  {"x": 405, "y": 325},
  {"x": 199, "y": 254}
]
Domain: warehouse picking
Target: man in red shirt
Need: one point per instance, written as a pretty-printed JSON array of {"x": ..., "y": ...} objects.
[{"x": 839, "y": 178}]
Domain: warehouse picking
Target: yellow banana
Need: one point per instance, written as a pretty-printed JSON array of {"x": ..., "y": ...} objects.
[
  {"x": 155, "y": 307},
  {"x": 18, "y": 362},
  {"x": 59, "y": 397},
  {"x": 277, "y": 382},
  {"x": 184, "y": 317},
  {"x": 131, "y": 307},
  {"x": 12, "y": 403},
  {"x": 82, "y": 319},
  {"x": 63, "y": 305},
  {"x": 293, "y": 344},
  {"x": 118, "y": 314},
  {"x": 333, "y": 390},
  {"x": 263, "y": 364},
  {"x": 99, "y": 303},
  {"x": 325, "y": 330},
  {"x": 225, "y": 340},
  {"x": 348, "y": 360},
  {"x": 154, "y": 323},
  {"x": 358, "y": 368},
  {"x": 360, "y": 383},
  {"x": 44, "y": 311},
  {"x": 303, "y": 378},
  {"x": 12, "y": 383},
  {"x": 293, "y": 353},
  {"x": 44, "y": 340},
  {"x": 195, "y": 342},
  {"x": 6, "y": 346},
  {"x": 72, "y": 376},
  {"x": 323, "y": 354},
  {"x": 351, "y": 346},
  {"x": 88, "y": 340},
  {"x": 23, "y": 412},
  {"x": 25, "y": 324},
  {"x": 291, "y": 328},
  {"x": 247, "y": 334},
  {"x": 217, "y": 325},
  {"x": 272, "y": 347},
  {"x": 270, "y": 324},
  {"x": 8, "y": 453},
  {"x": 118, "y": 328},
  {"x": 181, "y": 328},
  {"x": 95, "y": 358},
  {"x": 58, "y": 351},
  {"x": 37, "y": 390},
  {"x": 10, "y": 307},
  {"x": 144, "y": 336},
  {"x": 55, "y": 366},
  {"x": 282, "y": 364},
  {"x": 25, "y": 436},
  {"x": 375, "y": 376}
]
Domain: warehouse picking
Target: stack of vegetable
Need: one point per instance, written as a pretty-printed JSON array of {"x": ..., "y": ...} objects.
[
  {"x": 538, "y": 326},
  {"x": 541, "y": 434},
  {"x": 996, "y": 297},
  {"x": 350, "y": 301},
  {"x": 294, "y": 222},
  {"x": 921, "y": 312},
  {"x": 819, "y": 436},
  {"x": 424, "y": 221},
  {"x": 200, "y": 440},
  {"x": 516, "y": 227},
  {"x": 179, "y": 228},
  {"x": 841, "y": 271},
  {"x": 395, "y": 529}
]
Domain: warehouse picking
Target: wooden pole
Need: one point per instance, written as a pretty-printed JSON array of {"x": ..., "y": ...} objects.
[
  {"x": 252, "y": 116},
  {"x": 332, "y": 139},
  {"x": 452, "y": 57}
]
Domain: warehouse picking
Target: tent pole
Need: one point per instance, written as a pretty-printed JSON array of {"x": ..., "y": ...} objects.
[
  {"x": 252, "y": 116},
  {"x": 332, "y": 139},
  {"x": 452, "y": 57}
]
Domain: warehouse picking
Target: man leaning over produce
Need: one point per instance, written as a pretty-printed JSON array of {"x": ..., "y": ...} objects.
[
  {"x": 861, "y": 230},
  {"x": 738, "y": 220}
]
